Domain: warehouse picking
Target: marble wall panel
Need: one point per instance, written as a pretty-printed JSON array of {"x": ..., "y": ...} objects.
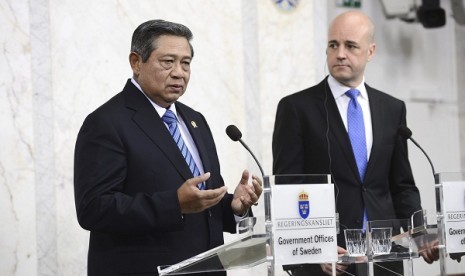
[
  {"x": 286, "y": 62},
  {"x": 17, "y": 155}
]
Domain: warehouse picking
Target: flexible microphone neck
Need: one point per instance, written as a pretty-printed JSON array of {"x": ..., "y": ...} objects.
[
  {"x": 253, "y": 155},
  {"x": 424, "y": 152},
  {"x": 235, "y": 134},
  {"x": 406, "y": 133}
]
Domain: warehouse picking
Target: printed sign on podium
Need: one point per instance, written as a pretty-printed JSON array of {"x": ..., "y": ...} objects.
[
  {"x": 454, "y": 216},
  {"x": 304, "y": 223}
]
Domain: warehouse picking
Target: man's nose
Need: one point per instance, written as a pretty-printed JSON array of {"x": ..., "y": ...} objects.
[
  {"x": 177, "y": 70},
  {"x": 341, "y": 52}
]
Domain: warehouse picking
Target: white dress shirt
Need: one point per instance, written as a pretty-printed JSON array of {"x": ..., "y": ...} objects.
[{"x": 342, "y": 102}]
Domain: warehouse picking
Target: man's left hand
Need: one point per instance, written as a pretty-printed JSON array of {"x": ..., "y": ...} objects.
[
  {"x": 245, "y": 194},
  {"x": 429, "y": 250}
]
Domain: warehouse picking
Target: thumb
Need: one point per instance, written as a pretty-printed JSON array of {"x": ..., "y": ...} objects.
[
  {"x": 245, "y": 177},
  {"x": 201, "y": 178}
]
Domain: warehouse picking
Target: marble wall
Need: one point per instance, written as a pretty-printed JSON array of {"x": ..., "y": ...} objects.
[
  {"x": 18, "y": 255},
  {"x": 62, "y": 58}
]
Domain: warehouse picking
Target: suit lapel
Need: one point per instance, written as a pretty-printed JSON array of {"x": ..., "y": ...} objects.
[
  {"x": 337, "y": 128},
  {"x": 147, "y": 118},
  {"x": 195, "y": 125},
  {"x": 377, "y": 115}
]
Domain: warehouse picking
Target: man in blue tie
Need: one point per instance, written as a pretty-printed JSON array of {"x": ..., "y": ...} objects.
[
  {"x": 346, "y": 128},
  {"x": 147, "y": 177}
]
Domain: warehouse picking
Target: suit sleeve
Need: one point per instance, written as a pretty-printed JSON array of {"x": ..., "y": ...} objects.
[
  {"x": 288, "y": 152},
  {"x": 405, "y": 194},
  {"x": 100, "y": 177}
]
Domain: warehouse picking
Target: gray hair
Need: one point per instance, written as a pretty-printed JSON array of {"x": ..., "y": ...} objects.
[{"x": 148, "y": 32}]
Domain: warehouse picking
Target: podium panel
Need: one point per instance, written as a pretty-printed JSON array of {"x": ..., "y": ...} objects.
[
  {"x": 304, "y": 223},
  {"x": 450, "y": 208},
  {"x": 243, "y": 253}
]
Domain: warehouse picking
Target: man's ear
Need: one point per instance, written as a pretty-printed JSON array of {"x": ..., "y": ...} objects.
[
  {"x": 135, "y": 60},
  {"x": 371, "y": 51}
]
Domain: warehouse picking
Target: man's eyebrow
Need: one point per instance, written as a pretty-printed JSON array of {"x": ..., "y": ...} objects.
[
  {"x": 351, "y": 42},
  {"x": 175, "y": 56}
]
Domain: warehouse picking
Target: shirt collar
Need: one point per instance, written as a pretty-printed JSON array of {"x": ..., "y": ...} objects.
[
  {"x": 339, "y": 89},
  {"x": 160, "y": 110}
]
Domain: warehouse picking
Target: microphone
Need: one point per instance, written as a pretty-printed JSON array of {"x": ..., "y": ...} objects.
[
  {"x": 235, "y": 134},
  {"x": 406, "y": 133}
]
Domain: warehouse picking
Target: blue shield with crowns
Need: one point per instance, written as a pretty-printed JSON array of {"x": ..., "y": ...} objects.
[{"x": 304, "y": 205}]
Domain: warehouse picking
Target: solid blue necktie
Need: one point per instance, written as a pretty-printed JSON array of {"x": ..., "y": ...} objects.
[
  {"x": 170, "y": 119},
  {"x": 356, "y": 130}
]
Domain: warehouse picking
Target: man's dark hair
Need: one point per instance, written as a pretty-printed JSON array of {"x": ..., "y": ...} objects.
[{"x": 145, "y": 36}]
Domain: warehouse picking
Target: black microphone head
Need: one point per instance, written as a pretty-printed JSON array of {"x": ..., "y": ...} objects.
[
  {"x": 404, "y": 132},
  {"x": 233, "y": 132}
]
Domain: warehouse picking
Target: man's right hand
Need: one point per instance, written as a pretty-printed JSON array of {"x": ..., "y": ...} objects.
[
  {"x": 340, "y": 267},
  {"x": 193, "y": 200}
]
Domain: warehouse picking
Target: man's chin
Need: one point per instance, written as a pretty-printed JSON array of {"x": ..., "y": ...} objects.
[
  {"x": 173, "y": 97},
  {"x": 344, "y": 79},
  {"x": 341, "y": 77}
]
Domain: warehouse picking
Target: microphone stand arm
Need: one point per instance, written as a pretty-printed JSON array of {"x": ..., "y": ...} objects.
[
  {"x": 255, "y": 158},
  {"x": 429, "y": 160}
]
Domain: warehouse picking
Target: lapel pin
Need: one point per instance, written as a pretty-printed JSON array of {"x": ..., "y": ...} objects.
[{"x": 194, "y": 124}]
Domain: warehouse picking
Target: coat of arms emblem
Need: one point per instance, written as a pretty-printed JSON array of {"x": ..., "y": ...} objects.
[{"x": 304, "y": 205}]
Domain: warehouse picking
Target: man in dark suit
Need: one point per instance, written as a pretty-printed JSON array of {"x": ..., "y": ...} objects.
[
  {"x": 312, "y": 135},
  {"x": 147, "y": 197}
]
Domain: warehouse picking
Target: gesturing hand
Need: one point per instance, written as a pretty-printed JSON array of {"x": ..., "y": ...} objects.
[
  {"x": 245, "y": 194},
  {"x": 193, "y": 200}
]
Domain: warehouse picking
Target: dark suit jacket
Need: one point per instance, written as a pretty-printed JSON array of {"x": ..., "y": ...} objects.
[
  {"x": 127, "y": 171},
  {"x": 310, "y": 138}
]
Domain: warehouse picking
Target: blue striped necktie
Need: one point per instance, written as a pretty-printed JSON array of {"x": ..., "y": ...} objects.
[
  {"x": 356, "y": 130},
  {"x": 170, "y": 119}
]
